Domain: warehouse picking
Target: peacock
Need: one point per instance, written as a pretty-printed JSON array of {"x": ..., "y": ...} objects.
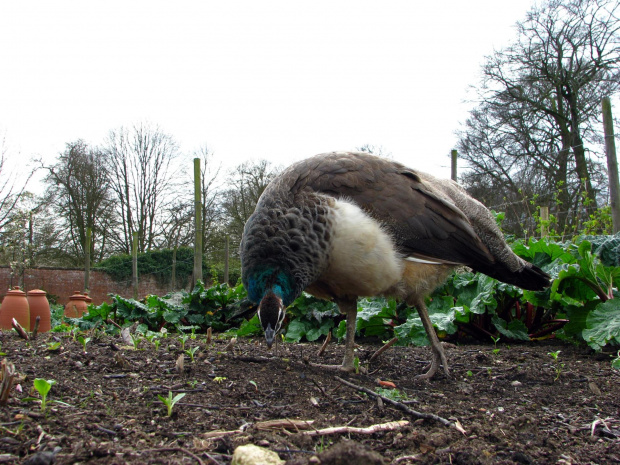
[{"x": 344, "y": 225}]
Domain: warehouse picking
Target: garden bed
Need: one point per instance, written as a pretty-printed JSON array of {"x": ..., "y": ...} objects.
[{"x": 504, "y": 404}]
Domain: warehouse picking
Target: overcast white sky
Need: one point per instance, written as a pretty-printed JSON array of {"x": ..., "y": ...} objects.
[{"x": 252, "y": 79}]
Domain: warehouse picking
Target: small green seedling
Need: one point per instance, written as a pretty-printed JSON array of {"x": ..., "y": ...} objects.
[
  {"x": 53, "y": 346},
  {"x": 356, "y": 365},
  {"x": 219, "y": 379},
  {"x": 557, "y": 365},
  {"x": 170, "y": 401},
  {"x": 43, "y": 387},
  {"x": 183, "y": 338},
  {"x": 253, "y": 383},
  {"x": 470, "y": 373},
  {"x": 83, "y": 340},
  {"x": 393, "y": 394},
  {"x": 135, "y": 340},
  {"x": 193, "y": 335},
  {"x": 156, "y": 343},
  {"x": 496, "y": 351},
  {"x": 191, "y": 352},
  {"x": 193, "y": 383},
  {"x": 615, "y": 363}
]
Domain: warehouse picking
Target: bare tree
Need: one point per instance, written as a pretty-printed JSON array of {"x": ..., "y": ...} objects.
[
  {"x": 540, "y": 102},
  {"x": 12, "y": 186},
  {"x": 142, "y": 169},
  {"x": 79, "y": 188},
  {"x": 210, "y": 192},
  {"x": 247, "y": 181}
]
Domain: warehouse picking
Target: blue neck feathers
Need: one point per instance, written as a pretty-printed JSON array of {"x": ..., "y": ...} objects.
[{"x": 262, "y": 279}]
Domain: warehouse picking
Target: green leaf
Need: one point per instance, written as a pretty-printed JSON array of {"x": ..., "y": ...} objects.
[
  {"x": 485, "y": 296},
  {"x": 603, "y": 325},
  {"x": 516, "y": 329},
  {"x": 296, "y": 330},
  {"x": 314, "y": 333},
  {"x": 250, "y": 327},
  {"x": 412, "y": 331},
  {"x": 43, "y": 386}
]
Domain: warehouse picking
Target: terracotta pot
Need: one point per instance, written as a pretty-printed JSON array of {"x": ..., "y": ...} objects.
[
  {"x": 39, "y": 306},
  {"x": 76, "y": 306},
  {"x": 15, "y": 305},
  {"x": 88, "y": 299}
]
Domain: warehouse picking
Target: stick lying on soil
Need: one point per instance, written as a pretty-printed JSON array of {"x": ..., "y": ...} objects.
[
  {"x": 299, "y": 425},
  {"x": 401, "y": 406}
]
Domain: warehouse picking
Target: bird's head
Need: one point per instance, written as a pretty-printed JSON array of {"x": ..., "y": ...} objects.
[{"x": 271, "y": 313}]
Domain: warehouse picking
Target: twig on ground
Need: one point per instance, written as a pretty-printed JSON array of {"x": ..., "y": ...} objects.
[
  {"x": 112, "y": 322},
  {"x": 389, "y": 426},
  {"x": 105, "y": 430},
  {"x": 389, "y": 344},
  {"x": 324, "y": 345},
  {"x": 283, "y": 423},
  {"x": 399, "y": 405},
  {"x": 7, "y": 380},
  {"x": 22, "y": 333},
  {"x": 181, "y": 449},
  {"x": 306, "y": 428},
  {"x": 415, "y": 457}
]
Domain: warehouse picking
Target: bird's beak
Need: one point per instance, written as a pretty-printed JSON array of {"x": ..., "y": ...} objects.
[{"x": 270, "y": 335}]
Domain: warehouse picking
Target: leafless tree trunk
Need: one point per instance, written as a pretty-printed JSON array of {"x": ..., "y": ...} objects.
[
  {"x": 79, "y": 188},
  {"x": 539, "y": 106},
  {"x": 143, "y": 174}
]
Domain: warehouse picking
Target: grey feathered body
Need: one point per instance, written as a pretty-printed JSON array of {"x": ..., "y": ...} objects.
[{"x": 351, "y": 224}]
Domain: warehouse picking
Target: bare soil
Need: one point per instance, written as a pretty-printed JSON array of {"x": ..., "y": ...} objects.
[{"x": 515, "y": 404}]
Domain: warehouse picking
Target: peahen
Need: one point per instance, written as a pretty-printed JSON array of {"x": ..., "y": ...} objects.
[{"x": 343, "y": 225}]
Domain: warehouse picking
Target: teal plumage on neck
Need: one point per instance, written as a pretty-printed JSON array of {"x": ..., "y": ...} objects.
[
  {"x": 272, "y": 288},
  {"x": 265, "y": 278}
]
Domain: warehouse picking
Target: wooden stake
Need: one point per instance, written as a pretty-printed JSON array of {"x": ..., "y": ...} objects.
[{"x": 612, "y": 164}]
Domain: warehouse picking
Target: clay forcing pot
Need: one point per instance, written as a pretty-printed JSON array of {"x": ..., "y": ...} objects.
[
  {"x": 76, "y": 306},
  {"x": 39, "y": 306},
  {"x": 15, "y": 305}
]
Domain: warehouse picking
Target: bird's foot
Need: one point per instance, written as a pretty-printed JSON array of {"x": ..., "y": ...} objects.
[{"x": 439, "y": 358}]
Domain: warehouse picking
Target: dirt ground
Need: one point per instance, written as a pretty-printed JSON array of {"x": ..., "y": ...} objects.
[{"x": 514, "y": 403}]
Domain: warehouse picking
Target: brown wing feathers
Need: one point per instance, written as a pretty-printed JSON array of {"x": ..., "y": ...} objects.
[
  {"x": 421, "y": 213},
  {"x": 422, "y": 224}
]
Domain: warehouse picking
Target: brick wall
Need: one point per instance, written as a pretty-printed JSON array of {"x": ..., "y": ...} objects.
[{"x": 62, "y": 282}]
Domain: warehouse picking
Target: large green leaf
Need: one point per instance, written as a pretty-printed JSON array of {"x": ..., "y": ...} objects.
[
  {"x": 412, "y": 331},
  {"x": 249, "y": 327},
  {"x": 603, "y": 325},
  {"x": 516, "y": 329}
]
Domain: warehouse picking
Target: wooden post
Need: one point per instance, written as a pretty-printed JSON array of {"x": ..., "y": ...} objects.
[
  {"x": 226, "y": 254},
  {"x": 87, "y": 260},
  {"x": 453, "y": 172},
  {"x": 134, "y": 254},
  {"x": 544, "y": 221},
  {"x": 198, "y": 223},
  {"x": 612, "y": 164},
  {"x": 173, "y": 277}
]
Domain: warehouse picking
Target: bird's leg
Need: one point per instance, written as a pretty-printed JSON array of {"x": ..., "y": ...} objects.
[
  {"x": 349, "y": 307},
  {"x": 437, "y": 349}
]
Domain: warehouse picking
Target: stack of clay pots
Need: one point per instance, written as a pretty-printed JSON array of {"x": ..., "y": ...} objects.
[{"x": 25, "y": 309}]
